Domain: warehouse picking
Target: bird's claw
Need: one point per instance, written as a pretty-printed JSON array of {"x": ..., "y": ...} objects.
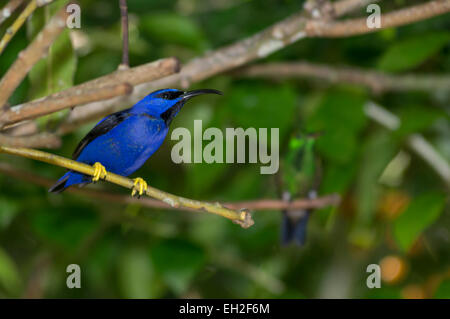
[
  {"x": 99, "y": 173},
  {"x": 140, "y": 186}
]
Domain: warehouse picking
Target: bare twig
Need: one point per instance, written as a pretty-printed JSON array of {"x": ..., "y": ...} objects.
[
  {"x": 254, "y": 205},
  {"x": 124, "y": 20},
  {"x": 424, "y": 149},
  {"x": 295, "y": 204},
  {"x": 345, "y": 6},
  {"x": 9, "y": 9},
  {"x": 11, "y": 31},
  {"x": 242, "y": 217},
  {"x": 33, "y": 53},
  {"x": 59, "y": 101},
  {"x": 378, "y": 82},
  {"x": 322, "y": 28},
  {"x": 416, "y": 141},
  {"x": 46, "y": 140},
  {"x": 115, "y": 84}
]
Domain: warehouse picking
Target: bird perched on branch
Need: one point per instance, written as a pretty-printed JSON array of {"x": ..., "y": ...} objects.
[
  {"x": 123, "y": 141},
  {"x": 299, "y": 179}
]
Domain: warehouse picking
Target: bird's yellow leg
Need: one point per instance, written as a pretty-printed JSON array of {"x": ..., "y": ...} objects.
[
  {"x": 140, "y": 186},
  {"x": 99, "y": 173}
]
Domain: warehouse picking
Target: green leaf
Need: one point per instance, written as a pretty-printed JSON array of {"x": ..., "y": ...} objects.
[
  {"x": 177, "y": 261},
  {"x": 417, "y": 118},
  {"x": 411, "y": 52},
  {"x": 340, "y": 117},
  {"x": 9, "y": 275},
  {"x": 173, "y": 28},
  {"x": 337, "y": 177},
  {"x": 261, "y": 106},
  {"x": 420, "y": 214},
  {"x": 378, "y": 151}
]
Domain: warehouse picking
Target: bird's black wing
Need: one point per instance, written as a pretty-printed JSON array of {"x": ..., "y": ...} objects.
[{"x": 101, "y": 128}]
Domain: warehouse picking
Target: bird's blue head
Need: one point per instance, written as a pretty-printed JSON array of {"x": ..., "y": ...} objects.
[{"x": 166, "y": 103}]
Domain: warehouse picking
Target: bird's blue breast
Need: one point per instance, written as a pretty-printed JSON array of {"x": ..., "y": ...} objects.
[{"x": 126, "y": 147}]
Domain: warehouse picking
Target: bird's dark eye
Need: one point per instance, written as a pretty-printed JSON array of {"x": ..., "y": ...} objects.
[{"x": 169, "y": 95}]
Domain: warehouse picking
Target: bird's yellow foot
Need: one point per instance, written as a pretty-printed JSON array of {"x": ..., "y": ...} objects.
[
  {"x": 99, "y": 173},
  {"x": 140, "y": 186}
]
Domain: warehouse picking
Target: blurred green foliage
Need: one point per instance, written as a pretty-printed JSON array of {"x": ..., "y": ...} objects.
[{"x": 132, "y": 251}]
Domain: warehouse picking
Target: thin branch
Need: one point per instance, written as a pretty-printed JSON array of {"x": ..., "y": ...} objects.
[
  {"x": 9, "y": 9},
  {"x": 115, "y": 84},
  {"x": 33, "y": 53},
  {"x": 424, "y": 149},
  {"x": 416, "y": 141},
  {"x": 327, "y": 10},
  {"x": 378, "y": 82},
  {"x": 62, "y": 100},
  {"x": 253, "y": 205},
  {"x": 11, "y": 31},
  {"x": 124, "y": 21},
  {"x": 346, "y": 6},
  {"x": 45, "y": 140},
  {"x": 295, "y": 204},
  {"x": 242, "y": 217},
  {"x": 319, "y": 28}
]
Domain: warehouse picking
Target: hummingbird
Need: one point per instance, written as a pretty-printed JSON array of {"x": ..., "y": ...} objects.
[
  {"x": 299, "y": 176},
  {"x": 123, "y": 141}
]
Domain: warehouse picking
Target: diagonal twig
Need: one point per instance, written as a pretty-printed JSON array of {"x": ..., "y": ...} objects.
[
  {"x": 12, "y": 30},
  {"x": 349, "y": 27},
  {"x": 9, "y": 9},
  {"x": 119, "y": 83},
  {"x": 242, "y": 217},
  {"x": 60, "y": 101},
  {"x": 416, "y": 142},
  {"x": 346, "y": 6},
  {"x": 46, "y": 140},
  {"x": 32, "y": 54}
]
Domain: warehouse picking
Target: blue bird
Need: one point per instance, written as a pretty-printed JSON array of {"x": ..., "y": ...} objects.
[{"x": 123, "y": 141}]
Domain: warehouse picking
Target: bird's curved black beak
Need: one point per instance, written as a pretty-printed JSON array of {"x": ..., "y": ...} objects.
[{"x": 189, "y": 94}]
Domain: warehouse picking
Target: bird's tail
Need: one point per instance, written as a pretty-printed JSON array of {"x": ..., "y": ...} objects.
[
  {"x": 68, "y": 179},
  {"x": 293, "y": 228}
]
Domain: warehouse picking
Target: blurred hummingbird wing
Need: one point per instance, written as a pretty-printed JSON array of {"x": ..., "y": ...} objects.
[{"x": 103, "y": 127}]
